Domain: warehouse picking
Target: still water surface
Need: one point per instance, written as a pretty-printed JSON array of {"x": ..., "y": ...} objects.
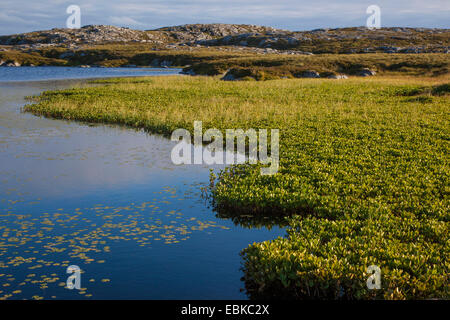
[
  {"x": 109, "y": 200},
  {"x": 60, "y": 73}
]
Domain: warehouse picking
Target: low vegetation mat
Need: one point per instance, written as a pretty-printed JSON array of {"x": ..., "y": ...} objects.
[{"x": 363, "y": 177}]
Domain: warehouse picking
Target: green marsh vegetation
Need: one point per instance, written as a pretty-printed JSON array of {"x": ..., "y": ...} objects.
[{"x": 363, "y": 178}]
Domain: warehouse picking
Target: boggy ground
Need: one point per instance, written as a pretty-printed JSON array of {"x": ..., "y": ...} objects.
[{"x": 363, "y": 176}]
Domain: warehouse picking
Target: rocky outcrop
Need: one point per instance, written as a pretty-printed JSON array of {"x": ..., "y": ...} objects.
[
  {"x": 386, "y": 40},
  {"x": 199, "y": 32},
  {"x": 92, "y": 34},
  {"x": 337, "y": 76},
  {"x": 260, "y": 39},
  {"x": 229, "y": 77},
  {"x": 311, "y": 74},
  {"x": 308, "y": 74},
  {"x": 9, "y": 64},
  {"x": 366, "y": 72},
  {"x": 188, "y": 72},
  {"x": 240, "y": 74}
]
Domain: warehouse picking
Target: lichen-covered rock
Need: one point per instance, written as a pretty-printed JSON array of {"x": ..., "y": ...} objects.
[
  {"x": 308, "y": 74},
  {"x": 189, "y": 72},
  {"x": 166, "y": 63},
  {"x": 228, "y": 77},
  {"x": 366, "y": 72},
  {"x": 337, "y": 76}
]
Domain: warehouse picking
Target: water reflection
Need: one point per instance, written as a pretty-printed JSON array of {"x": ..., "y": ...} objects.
[
  {"x": 12, "y": 74},
  {"x": 250, "y": 221}
]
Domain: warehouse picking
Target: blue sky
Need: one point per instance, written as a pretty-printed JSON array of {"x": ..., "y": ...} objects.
[{"x": 18, "y": 16}]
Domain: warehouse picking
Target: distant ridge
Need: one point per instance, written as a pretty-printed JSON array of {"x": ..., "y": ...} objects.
[{"x": 340, "y": 40}]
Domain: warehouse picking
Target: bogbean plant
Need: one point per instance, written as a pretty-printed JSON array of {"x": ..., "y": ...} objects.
[
  {"x": 366, "y": 188},
  {"x": 363, "y": 177},
  {"x": 328, "y": 259}
]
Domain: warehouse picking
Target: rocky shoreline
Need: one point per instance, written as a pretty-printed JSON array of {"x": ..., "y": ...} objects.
[{"x": 230, "y": 75}]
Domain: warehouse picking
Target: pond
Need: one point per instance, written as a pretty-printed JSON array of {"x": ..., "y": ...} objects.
[
  {"x": 60, "y": 73},
  {"x": 109, "y": 200}
]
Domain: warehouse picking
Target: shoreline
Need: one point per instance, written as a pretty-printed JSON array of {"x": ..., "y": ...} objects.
[
  {"x": 87, "y": 78},
  {"x": 115, "y": 169}
]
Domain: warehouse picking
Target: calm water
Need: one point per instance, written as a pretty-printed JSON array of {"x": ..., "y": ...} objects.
[
  {"x": 109, "y": 200},
  {"x": 57, "y": 73}
]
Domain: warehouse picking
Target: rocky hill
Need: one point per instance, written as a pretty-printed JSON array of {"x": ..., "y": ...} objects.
[
  {"x": 344, "y": 40},
  {"x": 204, "y": 32},
  {"x": 260, "y": 38},
  {"x": 97, "y": 34},
  {"x": 87, "y": 34}
]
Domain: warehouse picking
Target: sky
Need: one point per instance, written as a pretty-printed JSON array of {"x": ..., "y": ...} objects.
[{"x": 17, "y": 16}]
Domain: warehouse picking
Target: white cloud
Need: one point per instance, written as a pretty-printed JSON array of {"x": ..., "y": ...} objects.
[
  {"x": 124, "y": 21},
  {"x": 27, "y": 15},
  {"x": 10, "y": 18}
]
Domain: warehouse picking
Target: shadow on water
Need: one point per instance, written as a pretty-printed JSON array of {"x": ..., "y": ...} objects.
[
  {"x": 245, "y": 220},
  {"x": 256, "y": 221}
]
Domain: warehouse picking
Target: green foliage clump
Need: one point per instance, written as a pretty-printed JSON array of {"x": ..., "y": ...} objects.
[
  {"x": 27, "y": 59},
  {"x": 328, "y": 259},
  {"x": 276, "y": 66}
]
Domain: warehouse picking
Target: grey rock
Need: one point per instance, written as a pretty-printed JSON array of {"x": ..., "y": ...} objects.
[
  {"x": 227, "y": 39},
  {"x": 67, "y": 54},
  {"x": 248, "y": 37},
  {"x": 366, "y": 72},
  {"x": 13, "y": 64},
  {"x": 309, "y": 74},
  {"x": 292, "y": 41},
  {"x": 228, "y": 77},
  {"x": 166, "y": 63},
  {"x": 189, "y": 72},
  {"x": 155, "y": 63},
  {"x": 410, "y": 50},
  {"x": 337, "y": 76}
]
